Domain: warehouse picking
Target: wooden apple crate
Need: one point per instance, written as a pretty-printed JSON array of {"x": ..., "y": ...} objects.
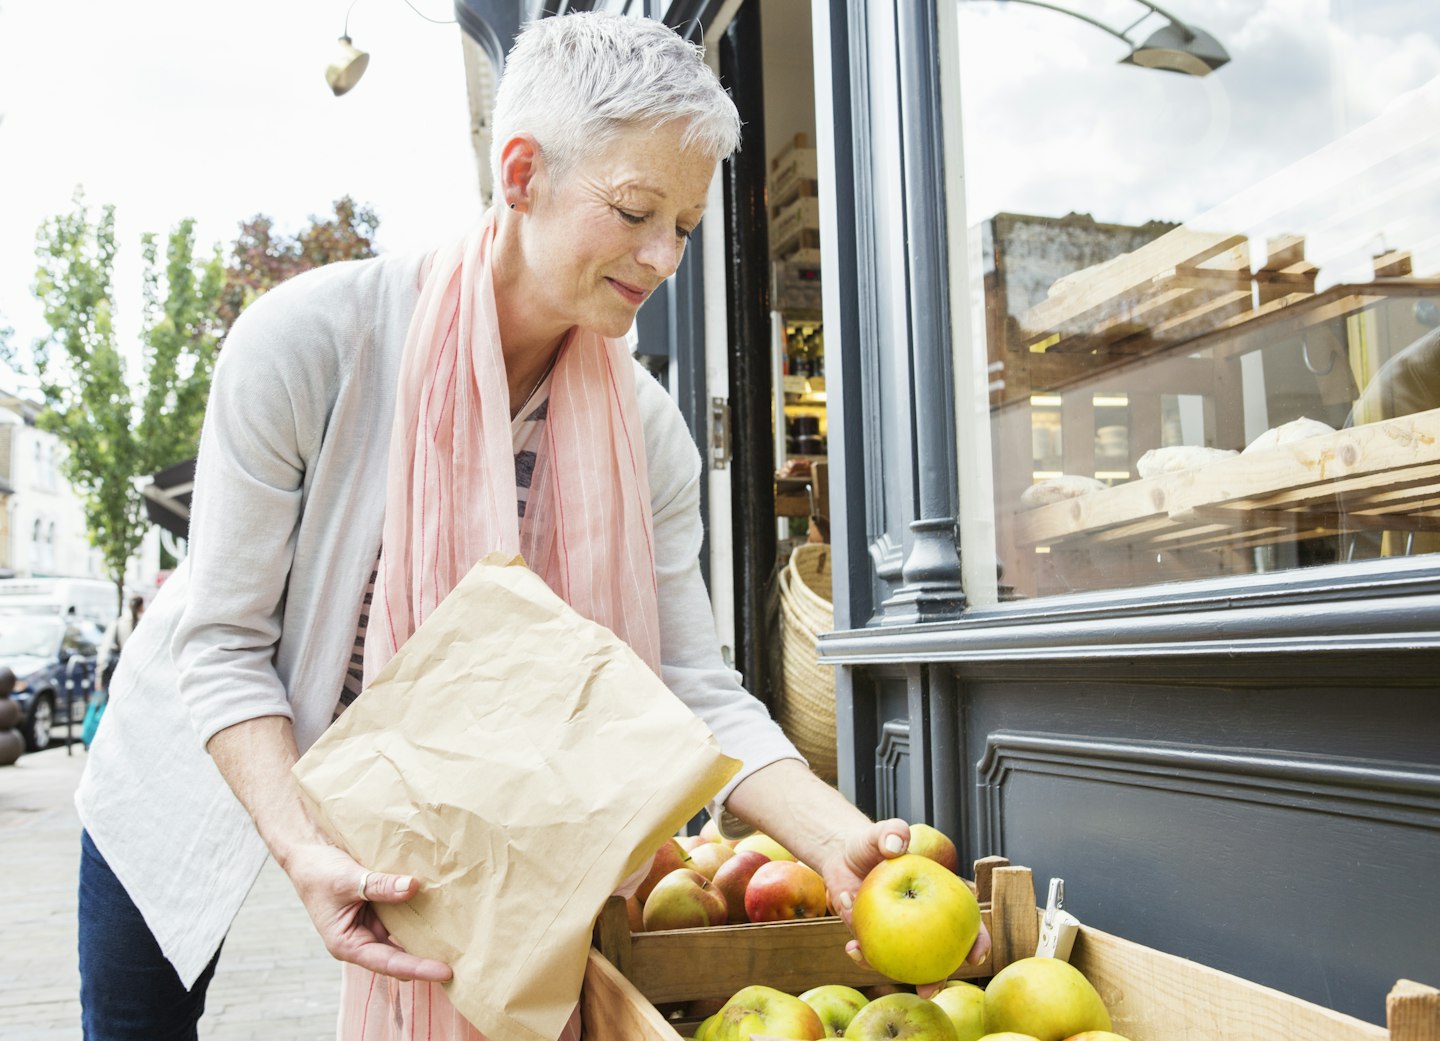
[{"x": 658, "y": 986}]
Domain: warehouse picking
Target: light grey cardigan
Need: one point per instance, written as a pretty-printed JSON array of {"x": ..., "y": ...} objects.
[{"x": 260, "y": 619}]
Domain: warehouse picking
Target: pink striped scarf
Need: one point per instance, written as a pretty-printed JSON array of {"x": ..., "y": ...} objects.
[{"x": 450, "y": 500}]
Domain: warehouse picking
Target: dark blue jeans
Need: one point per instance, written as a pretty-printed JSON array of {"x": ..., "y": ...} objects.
[{"x": 128, "y": 990}]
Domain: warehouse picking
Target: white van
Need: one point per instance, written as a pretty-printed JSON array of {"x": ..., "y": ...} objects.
[{"x": 91, "y": 598}]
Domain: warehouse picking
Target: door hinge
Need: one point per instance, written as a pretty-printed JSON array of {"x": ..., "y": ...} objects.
[{"x": 719, "y": 433}]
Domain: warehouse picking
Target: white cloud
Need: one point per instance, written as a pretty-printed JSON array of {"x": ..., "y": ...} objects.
[
  {"x": 173, "y": 109},
  {"x": 1054, "y": 125}
]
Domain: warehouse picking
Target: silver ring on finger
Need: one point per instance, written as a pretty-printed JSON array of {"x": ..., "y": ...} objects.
[{"x": 364, "y": 882}]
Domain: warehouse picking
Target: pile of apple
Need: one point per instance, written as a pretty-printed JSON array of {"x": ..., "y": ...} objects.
[
  {"x": 706, "y": 880},
  {"x": 1034, "y": 999},
  {"x": 915, "y": 920}
]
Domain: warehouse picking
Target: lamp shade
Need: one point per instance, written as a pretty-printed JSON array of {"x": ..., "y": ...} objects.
[
  {"x": 346, "y": 68},
  {"x": 1179, "y": 48}
]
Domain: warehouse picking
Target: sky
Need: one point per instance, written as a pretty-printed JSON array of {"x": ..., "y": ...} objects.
[
  {"x": 1054, "y": 124},
  {"x": 186, "y": 108}
]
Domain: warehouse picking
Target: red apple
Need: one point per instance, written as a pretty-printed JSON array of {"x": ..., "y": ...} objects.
[
  {"x": 683, "y": 899},
  {"x": 733, "y": 877},
  {"x": 783, "y": 891},
  {"x": 690, "y": 842},
  {"x": 768, "y": 1012},
  {"x": 668, "y": 857},
  {"x": 928, "y": 842},
  {"x": 915, "y": 920},
  {"x": 634, "y": 914}
]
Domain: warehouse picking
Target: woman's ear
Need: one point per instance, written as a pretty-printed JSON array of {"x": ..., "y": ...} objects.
[{"x": 520, "y": 166}]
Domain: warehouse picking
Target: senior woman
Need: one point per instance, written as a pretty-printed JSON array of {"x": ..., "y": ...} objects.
[{"x": 374, "y": 428}]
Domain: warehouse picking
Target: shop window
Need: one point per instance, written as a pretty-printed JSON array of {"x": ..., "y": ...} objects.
[{"x": 1207, "y": 306}]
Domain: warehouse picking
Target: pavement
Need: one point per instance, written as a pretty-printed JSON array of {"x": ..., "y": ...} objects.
[{"x": 275, "y": 980}]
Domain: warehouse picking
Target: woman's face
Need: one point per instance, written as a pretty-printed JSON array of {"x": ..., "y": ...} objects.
[{"x": 600, "y": 237}]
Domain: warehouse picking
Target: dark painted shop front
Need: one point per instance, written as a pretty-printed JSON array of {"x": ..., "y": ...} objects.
[{"x": 1130, "y": 387}]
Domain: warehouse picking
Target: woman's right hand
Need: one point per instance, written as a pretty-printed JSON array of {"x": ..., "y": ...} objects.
[
  {"x": 255, "y": 758},
  {"x": 328, "y": 882}
]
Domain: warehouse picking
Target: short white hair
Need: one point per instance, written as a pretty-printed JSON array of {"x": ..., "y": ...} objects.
[{"x": 576, "y": 81}]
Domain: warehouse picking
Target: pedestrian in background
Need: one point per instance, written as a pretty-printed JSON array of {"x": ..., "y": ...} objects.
[
  {"x": 106, "y": 659},
  {"x": 114, "y": 639}
]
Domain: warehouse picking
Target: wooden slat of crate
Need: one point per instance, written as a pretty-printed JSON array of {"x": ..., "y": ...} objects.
[
  {"x": 699, "y": 964},
  {"x": 1158, "y": 997},
  {"x": 611, "y": 1009}
]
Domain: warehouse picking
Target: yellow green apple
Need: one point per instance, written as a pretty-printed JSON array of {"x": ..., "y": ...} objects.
[
  {"x": 706, "y": 1028},
  {"x": 690, "y": 842},
  {"x": 683, "y": 899},
  {"x": 901, "y": 1017},
  {"x": 964, "y": 1003},
  {"x": 1044, "y": 997},
  {"x": 707, "y": 858},
  {"x": 668, "y": 857},
  {"x": 767, "y": 1011},
  {"x": 1096, "y": 1035},
  {"x": 915, "y": 920},
  {"x": 711, "y": 832},
  {"x": 935, "y": 844},
  {"x": 1007, "y": 1035},
  {"x": 761, "y": 843},
  {"x": 836, "y": 1005},
  {"x": 784, "y": 891}
]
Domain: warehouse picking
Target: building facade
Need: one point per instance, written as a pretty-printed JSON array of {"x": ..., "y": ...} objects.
[
  {"x": 45, "y": 532},
  {"x": 1131, "y": 388}
]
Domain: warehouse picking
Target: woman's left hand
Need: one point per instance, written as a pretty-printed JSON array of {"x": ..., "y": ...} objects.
[{"x": 863, "y": 849}]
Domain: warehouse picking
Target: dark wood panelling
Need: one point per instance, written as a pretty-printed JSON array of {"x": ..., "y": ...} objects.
[
  {"x": 892, "y": 770},
  {"x": 1290, "y": 837}
]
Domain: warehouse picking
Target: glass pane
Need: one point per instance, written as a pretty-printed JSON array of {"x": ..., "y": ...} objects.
[{"x": 1207, "y": 307}]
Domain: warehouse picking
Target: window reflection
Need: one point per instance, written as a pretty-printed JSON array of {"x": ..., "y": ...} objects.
[{"x": 1210, "y": 308}]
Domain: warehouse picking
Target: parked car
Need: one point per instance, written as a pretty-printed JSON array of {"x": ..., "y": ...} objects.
[{"x": 53, "y": 659}]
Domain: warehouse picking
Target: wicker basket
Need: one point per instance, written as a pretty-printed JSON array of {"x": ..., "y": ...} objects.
[{"x": 806, "y": 705}]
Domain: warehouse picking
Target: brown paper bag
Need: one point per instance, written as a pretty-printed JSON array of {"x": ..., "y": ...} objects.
[{"x": 521, "y": 761}]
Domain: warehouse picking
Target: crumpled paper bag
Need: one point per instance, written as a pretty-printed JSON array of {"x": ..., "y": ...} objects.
[{"x": 521, "y": 761}]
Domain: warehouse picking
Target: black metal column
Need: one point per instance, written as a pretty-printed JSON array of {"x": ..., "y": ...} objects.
[
  {"x": 751, "y": 389},
  {"x": 930, "y": 580}
]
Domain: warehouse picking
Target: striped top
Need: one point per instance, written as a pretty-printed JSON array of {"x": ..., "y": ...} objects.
[{"x": 526, "y": 431}]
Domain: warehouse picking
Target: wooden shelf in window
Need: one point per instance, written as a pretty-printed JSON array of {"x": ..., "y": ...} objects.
[
  {"x": 1382, "y": 476},
  {"x": 1192, "y": 289}
]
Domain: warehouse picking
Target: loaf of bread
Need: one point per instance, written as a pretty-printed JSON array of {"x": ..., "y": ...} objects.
[
  {"x": 1058, "y": 489},
  {"x": 1171, "y": 460},
  {"x": 1295, "y": 430}
]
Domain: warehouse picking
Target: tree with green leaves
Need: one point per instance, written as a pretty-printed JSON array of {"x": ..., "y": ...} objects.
[
  {"x": 118, "y": 432},
  {"x": 115, "y": 429}
]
